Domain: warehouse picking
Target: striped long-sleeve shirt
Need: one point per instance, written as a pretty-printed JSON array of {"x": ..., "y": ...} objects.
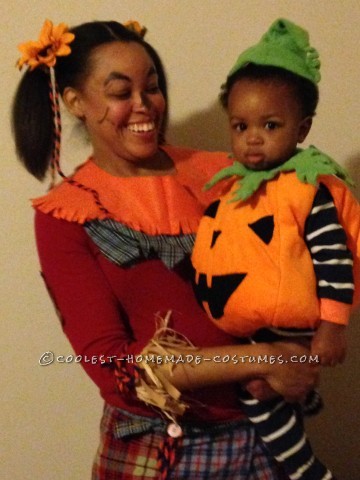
[{"x": 326, "y": 240}]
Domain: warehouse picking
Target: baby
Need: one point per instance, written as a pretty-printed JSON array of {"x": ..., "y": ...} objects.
[{"x": 277, "y": 256}]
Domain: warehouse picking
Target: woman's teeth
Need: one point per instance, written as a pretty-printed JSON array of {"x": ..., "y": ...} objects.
[{"x": 141, "y": 127}]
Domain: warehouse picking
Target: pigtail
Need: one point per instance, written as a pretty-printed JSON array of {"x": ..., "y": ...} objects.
[{"x": 32, "y": 122}]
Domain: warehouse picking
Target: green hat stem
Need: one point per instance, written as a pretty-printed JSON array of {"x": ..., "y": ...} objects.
[{"x": 284, "y": 45}]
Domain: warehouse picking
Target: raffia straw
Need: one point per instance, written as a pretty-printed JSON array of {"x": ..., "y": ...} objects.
[{"x": 154, "y": 387}]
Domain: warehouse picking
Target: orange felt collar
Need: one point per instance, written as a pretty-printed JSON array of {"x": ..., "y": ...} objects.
[{"x": 169, "y": 204}]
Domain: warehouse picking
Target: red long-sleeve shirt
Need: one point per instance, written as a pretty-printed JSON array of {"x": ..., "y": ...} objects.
[{"x": 106, "y": 308}]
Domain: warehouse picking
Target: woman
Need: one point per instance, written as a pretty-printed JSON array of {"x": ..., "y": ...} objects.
[{"x": 114, "y": 241}]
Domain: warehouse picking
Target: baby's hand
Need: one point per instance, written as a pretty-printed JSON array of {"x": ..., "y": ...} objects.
[
  {"x": 260, "y": 389},
  {"x": 329, "y": 343}
]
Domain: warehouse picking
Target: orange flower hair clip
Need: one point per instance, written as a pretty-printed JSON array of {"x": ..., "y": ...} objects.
[
  {"x": 135, "y": 26},
  {"x": 53, "y": 42}
]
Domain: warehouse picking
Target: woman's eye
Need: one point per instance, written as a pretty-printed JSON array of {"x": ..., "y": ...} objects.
[
  {"x": 123, "y": 95},
  {"x": 153, "y": 89}
]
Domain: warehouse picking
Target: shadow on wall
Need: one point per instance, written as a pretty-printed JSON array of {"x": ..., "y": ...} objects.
[
  {"x": 352, "y": 165},
  {"x": 205, "y": 130},
  {"x": 335, "y": 432}
]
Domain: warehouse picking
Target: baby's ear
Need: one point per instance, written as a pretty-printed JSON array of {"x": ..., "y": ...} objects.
[{"x": 304, "y": 128}]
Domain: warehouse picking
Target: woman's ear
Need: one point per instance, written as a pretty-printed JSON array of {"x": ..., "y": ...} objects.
[
  {"x": 72, "y": 100},
  {"x": 304, "y": 128}
]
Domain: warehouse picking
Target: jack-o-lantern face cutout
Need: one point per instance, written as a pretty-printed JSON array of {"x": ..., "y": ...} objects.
[{"x": 214, "y": 295}]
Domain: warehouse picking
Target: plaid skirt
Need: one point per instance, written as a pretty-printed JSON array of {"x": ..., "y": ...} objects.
[{"x": 131, "y": 446}]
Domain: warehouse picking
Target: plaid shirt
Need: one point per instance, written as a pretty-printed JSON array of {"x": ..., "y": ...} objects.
[{"x": 124, "y": 246}]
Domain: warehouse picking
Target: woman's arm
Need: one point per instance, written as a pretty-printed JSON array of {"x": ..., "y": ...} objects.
[
  {"x": 91, "y": 315},
  {"x": 277, "y": 363}
]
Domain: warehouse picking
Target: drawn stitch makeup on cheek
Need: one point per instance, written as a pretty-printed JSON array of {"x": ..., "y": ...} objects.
[{"x": 104, "y": 116}]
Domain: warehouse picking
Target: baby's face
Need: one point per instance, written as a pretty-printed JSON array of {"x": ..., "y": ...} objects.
[{"x": 266, "y": 123}]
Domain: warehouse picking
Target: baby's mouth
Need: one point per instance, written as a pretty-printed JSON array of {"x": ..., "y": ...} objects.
[{"x": 255, "y": 157}]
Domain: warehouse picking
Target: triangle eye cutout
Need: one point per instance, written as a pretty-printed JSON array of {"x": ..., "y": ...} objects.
[
  {"x": 264, "y": 228},
  {"x": 215, "y": 235},
  {"x": 212, "y": 209}
]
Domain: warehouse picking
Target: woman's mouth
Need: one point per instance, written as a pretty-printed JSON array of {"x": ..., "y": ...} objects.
[{"x": 143, "y": 127}]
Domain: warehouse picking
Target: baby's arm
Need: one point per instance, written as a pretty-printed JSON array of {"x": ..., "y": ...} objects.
[
  {"x": 329, "y": 342},
  {"x": 332, "y": 260}
]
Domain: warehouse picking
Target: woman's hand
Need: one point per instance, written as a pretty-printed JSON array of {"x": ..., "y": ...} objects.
[{"x": 292, "y": 375}]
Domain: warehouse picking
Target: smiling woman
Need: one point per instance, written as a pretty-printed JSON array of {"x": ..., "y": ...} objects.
[{"x": 114, "y": 241}]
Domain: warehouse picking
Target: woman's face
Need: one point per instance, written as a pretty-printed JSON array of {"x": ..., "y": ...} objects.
[{"x": 122, "y": 107}]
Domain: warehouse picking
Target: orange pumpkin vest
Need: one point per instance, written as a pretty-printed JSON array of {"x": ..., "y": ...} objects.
[{"x": 252, "y": 264}]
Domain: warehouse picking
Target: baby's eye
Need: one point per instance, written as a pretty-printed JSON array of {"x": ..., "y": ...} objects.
[
  {"x": 239, "y": 127},
  {"x": 271, "y": 125}
]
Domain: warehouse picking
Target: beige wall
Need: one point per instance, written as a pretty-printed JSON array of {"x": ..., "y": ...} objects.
[{"x": 49, "y": 415}]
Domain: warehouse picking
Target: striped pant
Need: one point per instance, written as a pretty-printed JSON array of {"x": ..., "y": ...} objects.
[{"x": 281, "y": 430}]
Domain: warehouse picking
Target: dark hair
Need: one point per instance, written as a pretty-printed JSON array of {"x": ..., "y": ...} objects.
[
  {"x": 306, "y": 91},
  {"x": 32, "y": 116}
]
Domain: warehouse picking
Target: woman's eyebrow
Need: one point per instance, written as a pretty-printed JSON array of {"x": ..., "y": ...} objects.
[
  {"x": 121, "y": 76},
  {"x": 116, "y": 76}
]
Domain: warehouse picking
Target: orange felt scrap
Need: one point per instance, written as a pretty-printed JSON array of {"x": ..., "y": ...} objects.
[{"x": 169, "y": 204}]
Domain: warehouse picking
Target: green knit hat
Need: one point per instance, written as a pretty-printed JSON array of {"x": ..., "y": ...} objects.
[{"x": 284, "y": 45}]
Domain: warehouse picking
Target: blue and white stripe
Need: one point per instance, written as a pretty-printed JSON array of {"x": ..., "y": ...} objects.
[{"x": 327, "y": 243}]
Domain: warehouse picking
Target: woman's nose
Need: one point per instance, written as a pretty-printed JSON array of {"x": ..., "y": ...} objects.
[{"x": 141, "y": 101}]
